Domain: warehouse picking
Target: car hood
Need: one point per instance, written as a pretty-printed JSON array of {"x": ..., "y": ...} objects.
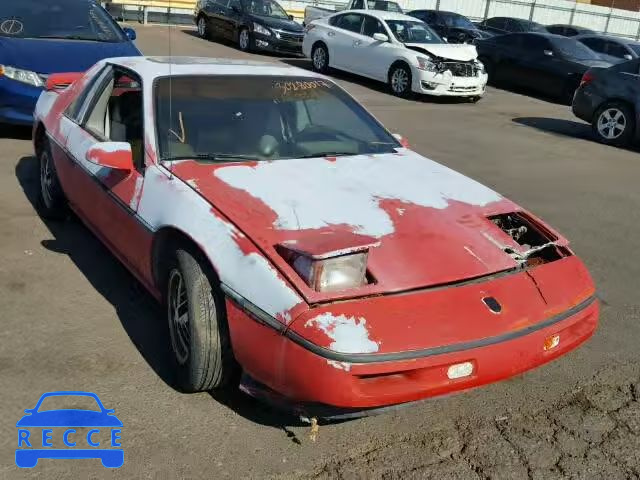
[
  {"x": 279, "y": 23},
  {"x": 451, "y": 51},
  {"x": 56, "y": 56},
  {"x": 428, "y": 222},
  {"x": 69, "y": 418}
]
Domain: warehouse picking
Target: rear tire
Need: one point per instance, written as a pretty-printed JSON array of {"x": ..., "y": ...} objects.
[
  {"x": 198, "y": 331},
  {"x": 400, "y": 80},
  {"x": 52, "y": 203},
  {"x": 614, "y": 124},
  {"x": 204, "y": 29},
  {"x": 245, "y": 40},
  {"x": 320, "y": 58}
]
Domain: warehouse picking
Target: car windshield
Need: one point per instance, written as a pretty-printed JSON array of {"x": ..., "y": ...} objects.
[
  {"x": 265, "y": 8},
  {"x": 384, "y": 6},
  {"x": 635, "y": 47},
  {"x": 252, "y": 117},
  {"x": 573, "y": 49},
  {"x": 407, "y": 31},
  {"x": 66, "y": 19},
  {"x": 458, "y": 21}
]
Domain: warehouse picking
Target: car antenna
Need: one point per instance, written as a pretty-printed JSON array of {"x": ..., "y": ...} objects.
[{"x": 170, "y": 96}]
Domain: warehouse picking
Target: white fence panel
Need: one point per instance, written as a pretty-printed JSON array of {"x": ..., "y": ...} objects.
[
  {"x": 468, "y": 8},
  {"x": 627, "y": 27},
  {"x": 501, "y": 8},
  {"x": 550, "y": 12},
  {"x": 418, "y": 4}
]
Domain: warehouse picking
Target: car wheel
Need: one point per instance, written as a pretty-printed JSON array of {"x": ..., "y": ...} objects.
[
  {"x": 52, "y": 203},
  {"x": 245, "y": 42},
  {"x": 400, "y": 80},
  {"x": 320, "y": 58},
  {"x": 198, "y": 331},
  {"x": 614, "y": 124},
  {"x": 475, "y": 99},
  {"x": 204, "y": 30}
]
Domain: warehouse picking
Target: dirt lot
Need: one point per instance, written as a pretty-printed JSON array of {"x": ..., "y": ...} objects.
[{"x": 74, "y": 319}]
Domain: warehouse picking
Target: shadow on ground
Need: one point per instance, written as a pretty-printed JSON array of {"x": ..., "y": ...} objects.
[
  {"x": 15, "y": 132},
  {"x": 557, "y": 126},
  {"x": 137, "y": 310}
]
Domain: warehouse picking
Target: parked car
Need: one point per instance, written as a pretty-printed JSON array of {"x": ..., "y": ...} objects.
[
  {"x": 312, "y": 13},
  {"x": 569, "y": 30},
  {"x": 254, "y": 25},
  {"x": 452, "y": 27},
  {"x": 550, "y": 64},
  {"x": 281, "y": 223},
  {"x": 502, "y": 25},
  {"x": 609, "y": 99},
  {"x": 396, "y": 49},
  {"x": 40, "y": 38},
  {"x": 612, "y": 49}
]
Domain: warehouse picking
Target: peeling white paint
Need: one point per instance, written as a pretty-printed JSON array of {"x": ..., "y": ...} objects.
[
  {"x": 171, "y": 202},
  {"x": 136, "y": 193},
  {"x": 474, "y": 255},
  {"x": 340, "y": 365},
  {"x": 314, "y": 193},
  {"x": 349, "y": 334}
]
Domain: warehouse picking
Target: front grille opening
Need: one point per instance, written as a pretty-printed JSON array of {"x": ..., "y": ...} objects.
[{"x": 538, "y": 243}]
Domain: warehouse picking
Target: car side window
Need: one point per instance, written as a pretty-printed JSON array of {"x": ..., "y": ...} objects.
[
  {"x": 513, "y": 26},
  {"x": 509, "y": 40},
  {"x": 371, "y": 26},
  {"x": 75, "y": 109},
  {"x": 351, "y": 22},
  {"x": 595, "y": 44},
  {"x": 615, "y": 50},
  {"x": 498, "y": 23},
  {"x": 116, "y": 113}
]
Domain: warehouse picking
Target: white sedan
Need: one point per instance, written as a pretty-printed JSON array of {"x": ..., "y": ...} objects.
[{"x": 396, "y": 49}]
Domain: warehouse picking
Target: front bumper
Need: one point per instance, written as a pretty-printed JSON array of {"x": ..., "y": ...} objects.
[
  {"x": 17, "y": 102},
  {"x": 270, "y": 43},
  {"x": 446, "y": 85}
]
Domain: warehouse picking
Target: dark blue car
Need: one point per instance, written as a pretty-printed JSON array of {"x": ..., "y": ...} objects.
[
  {"x": 41, "y": 37},
  {"x": 36, "y": 432}
]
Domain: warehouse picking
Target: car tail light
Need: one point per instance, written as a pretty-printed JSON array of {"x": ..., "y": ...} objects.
[{"x": 587, "y": 78}]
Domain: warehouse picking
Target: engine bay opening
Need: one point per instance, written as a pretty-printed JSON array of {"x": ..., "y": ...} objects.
[{"x": 539, "y": 244}]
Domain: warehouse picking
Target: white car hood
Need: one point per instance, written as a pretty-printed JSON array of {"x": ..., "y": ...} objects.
[{"x": 452, "y": 51}]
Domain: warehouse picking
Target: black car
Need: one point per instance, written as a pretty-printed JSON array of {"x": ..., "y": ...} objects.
[
  {"x": 609, "y": 99},
  {"x": 569, "y": 30},
  {"x": 252, "y": 24},
  {"x": 502, "y": 25},
  {"x": 612, "y": 49},
  {"x": 454, "y": 27},
  {"x": 550, "y": 64}
]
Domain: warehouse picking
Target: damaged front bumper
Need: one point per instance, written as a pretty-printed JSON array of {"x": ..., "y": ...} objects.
[
  {"x": 446, "y": 84},
  {"x": 453, "y": 340}
]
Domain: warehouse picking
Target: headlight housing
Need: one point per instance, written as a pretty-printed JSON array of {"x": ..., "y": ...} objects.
[
  {"x": 23, "y": 76},
  {"x": 425, "y": 64},
  {"x": 261, "y": 29}
]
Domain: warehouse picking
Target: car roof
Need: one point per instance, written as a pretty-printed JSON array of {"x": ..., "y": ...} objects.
[
  {"x": 153, "y": 67},
  {"x": 382, "y": 15}
]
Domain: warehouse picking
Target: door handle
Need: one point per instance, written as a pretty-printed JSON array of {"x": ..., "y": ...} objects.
[
  {"x": 357, "y": 43},
  {"x": 331, "y": 34}
]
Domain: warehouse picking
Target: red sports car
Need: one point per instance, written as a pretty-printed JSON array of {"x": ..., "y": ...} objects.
[{"x": 293, "y": 238}]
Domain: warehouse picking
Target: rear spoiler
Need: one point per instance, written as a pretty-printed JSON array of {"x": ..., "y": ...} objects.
[{"x": 60, "y": 81}]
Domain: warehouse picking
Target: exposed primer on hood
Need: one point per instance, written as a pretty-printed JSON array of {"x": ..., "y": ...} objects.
[
  {"x": 316, "y": 193},
  {"x": 452, "y": 51},
  {"x": 349, "y": 334}
]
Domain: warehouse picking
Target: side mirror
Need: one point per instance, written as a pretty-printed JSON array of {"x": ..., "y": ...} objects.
[
  {"x": 115, "y": 155},
  {"x": 403, "y": 141},
  {"x": 628, "y": 57},
  {"x": 130, "y": 33},
  {"x": 290, "y": 17},
  {"x": 445, "y": 39},
  {"x": 380, "y": 37},
  {"x": 548, "y": 53}
]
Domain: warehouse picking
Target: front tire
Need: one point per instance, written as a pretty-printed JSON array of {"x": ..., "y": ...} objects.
[
  {"x": 198, "y": 330},
  {"x": 204, "y": 30},
  {"x": 245, "y": 41},
  {"x": 320, "y": 58},
  {"x": 52, "y": 203},
  {"x": 400, "y": 80},
  {"x": 614, "y": 124}
]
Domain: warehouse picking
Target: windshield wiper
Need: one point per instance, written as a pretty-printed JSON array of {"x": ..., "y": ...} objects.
[
  {"x": 327, "y": 154},
  {"x": 211, "y": 157},
  {"x": 76, "y": 37}
]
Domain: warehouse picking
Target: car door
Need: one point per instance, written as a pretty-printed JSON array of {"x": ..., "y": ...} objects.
[
  {"x": 439, "y": 24},
  {"x": 233, "y": 20},
  {"x": 596, "y": 44},
  {"x": 214, "y": 10},
  {"x": 506, "y": 52},
  {"x": 345, "y": 35},
  {"x": 535, "y": 67},
  {"x": 372, "y": 58},
  {"x": 107, "y": 199}
]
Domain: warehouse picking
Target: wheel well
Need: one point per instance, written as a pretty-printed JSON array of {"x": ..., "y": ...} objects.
[
  {"x": 165, "y": 242},
  {"x": 618, "y": 100},
  {"x": 39, "y": 137},
  {"x": 398, "y": 63},
  {"x": 319, "y": 43}
]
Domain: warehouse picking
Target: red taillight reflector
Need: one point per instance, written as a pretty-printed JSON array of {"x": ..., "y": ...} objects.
[{"x": 586, "y": 78}]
